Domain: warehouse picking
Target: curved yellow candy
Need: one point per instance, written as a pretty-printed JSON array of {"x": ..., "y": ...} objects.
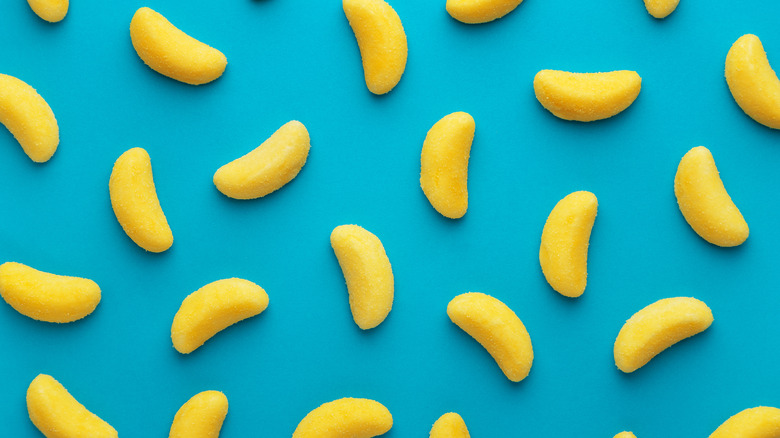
[
  {"x": 58, "y": 415},
  {"x": 135, "y": 203},
  {"x": 752, "y": 81},
  {"x": 173, "y": 53},
  {"x": 201, "y": 416},
  {"x": 480, "y": 11},
  {"x": 29, "y": 118},
  {"x": 267, "y": 168},
  {"x": 345, "y": 418},
  {"x": 47, "y": 297},
  {"x": 444, "y": 164},
  {"x": 563, "y": 253},
  {"x": 449, "y": 425},
  {"x": 626, "y": 434},
  {"x": 704, "y": 202},
  {"x": 50, "y": 10},
  {"x": 760, "y": 422},
  {"x": 661, "y": 8},
  {"x": 382, "y": 42},
  {"x": 497, "y": 328},
  {"x": 213, "y": 308},
  {"x": 367, "y": 272},
  {"x": 586, "y": 97},
  {"x": 656, "y": 328}
]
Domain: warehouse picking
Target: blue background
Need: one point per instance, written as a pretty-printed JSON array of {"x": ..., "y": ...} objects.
[{"x": 298, "y": 59}]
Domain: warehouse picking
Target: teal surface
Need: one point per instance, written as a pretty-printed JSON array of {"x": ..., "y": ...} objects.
[{"x": 298, "y": 59}]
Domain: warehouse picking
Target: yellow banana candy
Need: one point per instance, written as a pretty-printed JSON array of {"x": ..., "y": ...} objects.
[
  {"x": 58, "y": 415},
  {"x": 752, "y": 81},
  {"x": 47, "y": 297},
  {"x": 759, "y": 422},
  {"x": 49, "y": 10},
  {"x": 201, "y": 416},
  {"x": 171, "y": 52},
  {"x": 267, "y": 168},
  {"x": 29, "y": 118},
  {"x": 345, "y": 418},
  {"x": 444, "y": 164},
  {"x": 135, "y": 203},
  {"x": 563, "y": 253},
  {"x": 449, "y": 425},
  {"x": 704, "y": 202},
  {"x": 480, "y": 11},
  {"x": 661, "y": 8},
  {"x": 367, "y": 272},
  {"x": 656, "y": 328},
  {"x": 213, "y": 308},
  {"x": 496, "y": 327},
  {"x": 382, "y": 42},
  {"x": 586, "y": 97}
]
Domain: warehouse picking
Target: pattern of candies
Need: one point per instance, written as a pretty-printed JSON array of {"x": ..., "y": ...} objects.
[{"x": 563, "y": 252}]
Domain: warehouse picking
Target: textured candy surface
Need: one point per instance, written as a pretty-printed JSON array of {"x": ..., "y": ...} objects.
[
  {"x": 29, "y": 118},
  {"x": 480, "y": 11},
  {"x": 49, "y": 10},
  {"x": 449, "y": 425},
  {"x": 268, "y": 167},
  {"x": 497, "y": 328},
  {"x": 213, "y": 308},
  {"x": 656, "y": 328},
  {"x": 58, "y": 415},
  {"x": 444, "y": 164},
  {"x": 47, "y": 297},
  {"x": 201, "y": 416},
  {"x": 752, "y": 81},
  {"x": 759, "y": 422},
  {"x": 704, "y": 202},
  {"x": 135, "y": 203},
  {"x": 345, "y": 418},
  {"x": 171, "y": 52},
  {"x": 661, "y": 8},
  {"x": 586, "y": 97},
  {"x": 563, "y": 253},
  {"x": 382, "y": 42},
  {"x": 367, "y": 272}
]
